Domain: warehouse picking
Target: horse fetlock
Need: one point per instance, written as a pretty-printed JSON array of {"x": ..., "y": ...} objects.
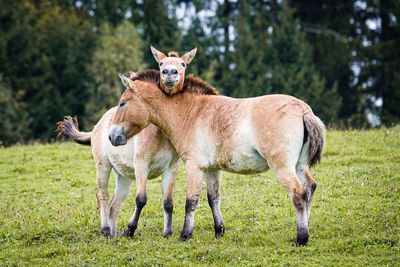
[
  {"x": 168, "y": 205},
  {"x": 141, "y": 201}
]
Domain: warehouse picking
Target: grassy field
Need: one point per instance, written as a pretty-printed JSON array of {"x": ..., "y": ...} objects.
[{"x": 48, "y": 211}]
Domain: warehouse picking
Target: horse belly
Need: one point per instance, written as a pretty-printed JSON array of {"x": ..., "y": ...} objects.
[
  {"x": 162, "y": 160},
  {"x": 245, "y": 163}
]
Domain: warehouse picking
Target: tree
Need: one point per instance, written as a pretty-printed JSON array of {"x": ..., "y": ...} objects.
[
  {"x": 156, "y": 21},
  {"x": 276, "y": 59},
  {"x": 119, "y": 49},
  {"x": 13, "y": 118},
  {"x": 45, "y": 50}
]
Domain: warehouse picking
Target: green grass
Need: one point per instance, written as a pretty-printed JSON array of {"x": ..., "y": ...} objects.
[{"x": 48, "y": 211}]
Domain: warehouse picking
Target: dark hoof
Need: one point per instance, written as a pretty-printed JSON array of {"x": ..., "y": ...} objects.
[
  {"x": 106, "y": 231},
  {"x": 301, "y": 240},
  {"x": 128, "y": 232},
  {"x": 185, "y": 237},
  {"x": 219, "y": 231},
  {"x": 168, "y": 233}
]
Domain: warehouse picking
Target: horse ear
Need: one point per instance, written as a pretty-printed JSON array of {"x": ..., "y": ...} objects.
[
  {"x": 189, "y": 56},
  {"x": 126, "y": 82},
  {"x": 157, "y": 54}
]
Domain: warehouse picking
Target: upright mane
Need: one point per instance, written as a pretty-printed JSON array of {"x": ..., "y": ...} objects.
[
  {"x": 191, "y": 84},
  {"x": 197, "y": 86}
]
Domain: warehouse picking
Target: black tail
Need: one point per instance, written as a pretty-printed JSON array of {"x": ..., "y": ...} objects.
[
  {"x": 316, "y": 129},
  {"x": 68, "y": 128}
]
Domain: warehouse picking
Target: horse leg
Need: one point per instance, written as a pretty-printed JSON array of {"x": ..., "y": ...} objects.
[
  {"x": 213, "y": 179},
  {"x": 309, "y": 185},
  {"x": 103, "y": 174},
  {"x": 298, "y": 196},
  {"x": 194, "y": 179},
  {"x": 141, "y": 173},
  {"x": 167, "y": 188},
  {"x": 122, "y": 188},
  {"x": 303, "y": 173}
]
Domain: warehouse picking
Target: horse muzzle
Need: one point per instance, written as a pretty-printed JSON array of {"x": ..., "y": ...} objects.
[{"x": 117, "y": 136}]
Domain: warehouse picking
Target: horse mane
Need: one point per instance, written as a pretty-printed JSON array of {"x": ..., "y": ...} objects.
[
  {"x": 197, "y": 86},
  {"x": 191, "y": 84}
]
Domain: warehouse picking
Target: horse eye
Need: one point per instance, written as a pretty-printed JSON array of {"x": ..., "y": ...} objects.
[
  {"x": 121, "y": 104},
  {"x": 183, "y": 64},
  {"x": 161, "y": 64}
]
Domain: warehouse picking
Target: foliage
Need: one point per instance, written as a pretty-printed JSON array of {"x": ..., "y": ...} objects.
[
  {"x": 119, "y": 49},
  {"x": 13, "y": 121},
  {"x": 45, "y": 51},
  {"x": 341, "y": 57},
  {"x": 48, "y": 212}
]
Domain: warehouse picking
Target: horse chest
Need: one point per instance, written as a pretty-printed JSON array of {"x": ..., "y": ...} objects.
[{"x": 122, "y": 158}]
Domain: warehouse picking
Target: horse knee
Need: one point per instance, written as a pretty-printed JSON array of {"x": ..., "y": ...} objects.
[
  {"x": 141, "y": 201},
  {"x": 168, "y": 205},
  {"x": 191, "y": 205}
]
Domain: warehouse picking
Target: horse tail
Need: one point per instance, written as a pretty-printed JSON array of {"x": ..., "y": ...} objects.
[
  {"x": 68, "y": 128},
  {"x": 315, "y": 128}
]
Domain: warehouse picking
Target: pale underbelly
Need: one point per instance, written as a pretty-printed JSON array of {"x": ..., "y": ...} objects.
[
  {"x": 244, "y": 163},
  {"x": 123, "y": 163}
]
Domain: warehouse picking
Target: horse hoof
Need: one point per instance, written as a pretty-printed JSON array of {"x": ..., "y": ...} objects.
[
  {"x": 219, "y": 231},
  {"x": 106, "y": 231},
  {"x": 128, "y": 232},
  {"x": 301, "y": 240},
  {"x": 185, "y": 237},
  {"x": 168, "y": 233}
]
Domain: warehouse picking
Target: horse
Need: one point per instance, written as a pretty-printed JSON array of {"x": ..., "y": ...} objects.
[
  {"x": 145, "y": 156},
  {"x": 244, "y": 136}
]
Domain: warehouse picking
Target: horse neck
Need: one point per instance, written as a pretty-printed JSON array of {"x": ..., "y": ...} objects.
[{"x": 169, "y": 113}]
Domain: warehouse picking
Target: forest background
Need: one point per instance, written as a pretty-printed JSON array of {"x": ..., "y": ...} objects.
[{"x": 61, "y": 57}]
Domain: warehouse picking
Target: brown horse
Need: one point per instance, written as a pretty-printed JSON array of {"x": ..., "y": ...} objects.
[
  {"x": 146, "y": 156},
  {"x": 213, "y": 133}
]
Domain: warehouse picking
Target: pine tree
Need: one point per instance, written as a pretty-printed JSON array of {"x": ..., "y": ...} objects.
[
  {"x": 293, "y": 71},
  {"x": 13, "y": 118},
  {"x": 119, "y": 49},
  {"x": 46, "y": 48},
  {"x": 158, "y": 26}
]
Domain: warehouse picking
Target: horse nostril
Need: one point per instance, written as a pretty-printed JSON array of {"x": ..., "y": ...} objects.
[
  {"x": 118, "y": 139},
  {"x": 109, "y": 138},
  {"x": 164, "y": 71},
  {"x": 175, "y": 72}
]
